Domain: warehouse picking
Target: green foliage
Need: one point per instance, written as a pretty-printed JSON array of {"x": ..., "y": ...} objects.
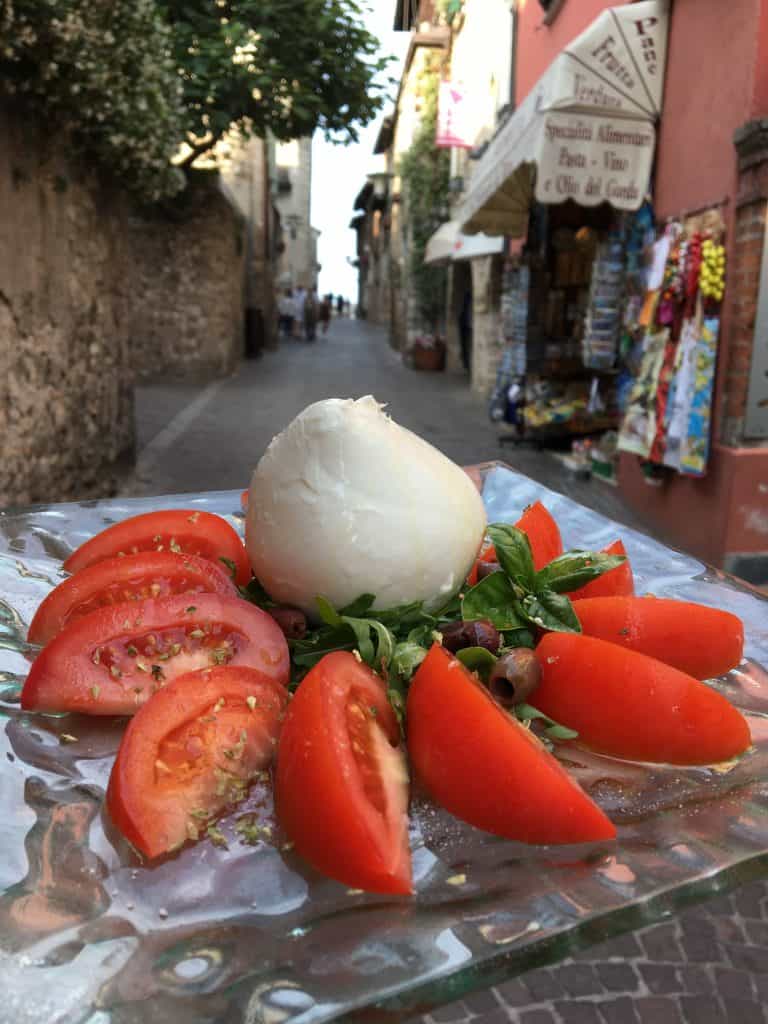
[
  {"x": 129, "y": 80},
  {"x": 424, "y": 170},
  {"x": 102, "y": 71},
  {"x": 287, "y": 66}
]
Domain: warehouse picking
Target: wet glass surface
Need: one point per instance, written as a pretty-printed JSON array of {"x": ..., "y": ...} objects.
[{"x": 248, "y": 933}]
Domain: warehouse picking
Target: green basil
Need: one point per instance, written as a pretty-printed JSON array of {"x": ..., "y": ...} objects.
[
  {"x": 550, "y": 611},
  {"x": 477, "y": 659},
  {"x": 574, "y": 569},
  {"x": 494, "y": 599},
  {"x": 526, "y": 713},
  {"x": 328, "y": 613},
  {"x": 513, "y": 553},
  {"x": 359, "y": 606}
]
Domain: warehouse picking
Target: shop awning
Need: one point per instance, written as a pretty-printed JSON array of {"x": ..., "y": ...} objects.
[
  {"x": 586, "y": 131},
  {"x": 448, "y": 243}
]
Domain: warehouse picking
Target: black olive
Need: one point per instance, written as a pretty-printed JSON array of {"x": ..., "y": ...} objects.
[
  {"x": 292, "y": 621},
  {"x": 514, "y": 677},
  {"x": 486, "y": 569},
  {"x": 482, "y": 633}
]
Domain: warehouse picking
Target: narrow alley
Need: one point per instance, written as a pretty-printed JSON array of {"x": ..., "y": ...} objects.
[{"x": 209, "y": 436}]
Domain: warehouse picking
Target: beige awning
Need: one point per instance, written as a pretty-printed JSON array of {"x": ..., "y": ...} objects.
[
  {"x": 448, "y": 243},
  {"x": 586, "y": 131}
]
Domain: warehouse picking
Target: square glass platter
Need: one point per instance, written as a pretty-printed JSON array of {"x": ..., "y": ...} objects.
[{"x": 248, "y": 933}]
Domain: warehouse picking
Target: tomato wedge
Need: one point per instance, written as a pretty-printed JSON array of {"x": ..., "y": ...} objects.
[
  {"x": 341, "y": 789},
  {"x": 704, "y": 642},
  {"x": 543, "y": 533},
  {"x": 482, "y": 765},
  {"x": 187, "y": 531},
  {"x": 113, "y": 659},
  {"x": 618, "y": 582},
  {"x": 629, "y": 705},
  {"x": 132, "y": 578},
  {"x": 192, "y": 751}
]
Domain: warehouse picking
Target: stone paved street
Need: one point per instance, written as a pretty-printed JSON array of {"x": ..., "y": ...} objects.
[{"x": 706, "y": 965}]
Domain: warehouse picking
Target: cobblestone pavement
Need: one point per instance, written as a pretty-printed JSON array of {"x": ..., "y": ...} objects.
[{"x": 706, "y": 965}]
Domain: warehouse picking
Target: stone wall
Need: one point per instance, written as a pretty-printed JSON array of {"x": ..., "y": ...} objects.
[
  {"x": 66, "y": 402},
  {"x": 92, "y": 294},
  {"x": 187, "y": 286}
]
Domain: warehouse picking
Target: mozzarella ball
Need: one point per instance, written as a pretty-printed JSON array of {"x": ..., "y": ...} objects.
[{"x": 345, "y": 502}]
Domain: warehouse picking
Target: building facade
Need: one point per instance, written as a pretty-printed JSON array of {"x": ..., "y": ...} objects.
[
  {"x": 297, "y": 265},
  {"x": 604, "y": 147}
]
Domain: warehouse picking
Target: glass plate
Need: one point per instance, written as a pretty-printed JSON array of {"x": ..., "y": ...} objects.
[{"x": 249, "y": 933}]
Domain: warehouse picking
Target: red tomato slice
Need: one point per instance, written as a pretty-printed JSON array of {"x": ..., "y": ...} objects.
[
  {"x": 186, "y": 531},
  {"x": 632, "y": 706},
  {"x": 132, "y": 578},
  {"x": 704, "y": 642},
  {"x": 487, "y": 554},
  {"x": 192, "y": 751},
  {"x": 112, "y": 660},
  {"x": 482, "y": 765},
  {"x": 543, "y": 533},
  {"x": 341, "y": 790},
  {"x": 244, "y": 495},
  {"x": 619, "y": 582}
]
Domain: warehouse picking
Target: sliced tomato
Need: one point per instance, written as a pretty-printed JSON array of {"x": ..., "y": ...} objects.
[
  {"x": 487, "y": 554},
  {"x": 132, "y": 578},
  {"x": 704, "y": 642},
  {"x": 479, "y": 763},
  {"x": 341, "y": 790},
  {"x": 192, "y": 751},
  {"x": 618, "y": 582},
  {"x": 632, "y": 706},
  {"x": 542, "y": 532},
  {"x": 244, "y": 495},
  {"x": 111, "y": 661},
  {"x": 184, "y": 531}
]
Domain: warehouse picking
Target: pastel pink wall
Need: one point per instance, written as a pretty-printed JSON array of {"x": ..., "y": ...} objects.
[
  {"x": 708, "y": 94},
  {"x": 539, "y": 44}
]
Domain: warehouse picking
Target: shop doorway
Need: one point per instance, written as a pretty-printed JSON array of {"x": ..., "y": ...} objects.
[{"x": 462, "y": 310}]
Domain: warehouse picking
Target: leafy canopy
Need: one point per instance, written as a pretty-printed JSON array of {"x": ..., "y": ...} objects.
[
  {"x": 130, "y": 80},
  {"x": 284, "y": 66}
]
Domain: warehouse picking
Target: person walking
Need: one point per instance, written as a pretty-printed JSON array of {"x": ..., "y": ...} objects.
[
  {"x": 325, "y": 313},
  {"x": 340, "y": 305},
  {"x": 310, "y": 315},
  {"x": 300, "y": 298},
  {"x": 286, "y": 309}
]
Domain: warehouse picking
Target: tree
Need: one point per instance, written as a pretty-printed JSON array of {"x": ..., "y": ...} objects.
[
  {"x": 130, "y": 80},
  {"x": 283, "y": 66}
]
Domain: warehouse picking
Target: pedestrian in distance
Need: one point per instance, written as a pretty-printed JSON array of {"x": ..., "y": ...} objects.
[
  {"x": 325, "y": 313},
  {"x": 300, "y": 298},
  {"x": 310, "y": 315},
  {"x": 340, "y": 305},
  {"x": 286, "y": 309}
]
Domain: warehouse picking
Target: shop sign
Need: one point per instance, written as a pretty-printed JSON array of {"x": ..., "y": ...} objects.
[
  {"x": 456, "y": 125},
  {"x": 586, "y": 129}
]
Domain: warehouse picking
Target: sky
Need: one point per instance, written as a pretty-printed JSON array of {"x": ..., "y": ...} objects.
[{"x": 338, "y": 172}]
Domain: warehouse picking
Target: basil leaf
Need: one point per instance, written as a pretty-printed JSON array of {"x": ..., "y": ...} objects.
[
  {"x": 403, "y": 615},
  {"x": 513, "y": 551},
  {"x": 512, "y": 638},
  {"x": 574, "y": 569},
  {"x": 359, "y": 606},
  {"x": 477, "y": 659},
  {"x": 406, "y": 658},
  {"x": 494, "y": 599},
  {"x": 525, "y": 713},
  {"x": 550, "y": 611},
  {"x": 385, "y": 643},
  {"x": 396, "y": 695},
  {"x": 328, "y": 613}
]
